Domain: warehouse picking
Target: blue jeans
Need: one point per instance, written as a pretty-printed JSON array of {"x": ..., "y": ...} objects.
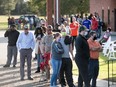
[
  {"x": 93, "y": 71},
  {"x": 56, "y": 65},
  {"x": 38, "y": 60}
]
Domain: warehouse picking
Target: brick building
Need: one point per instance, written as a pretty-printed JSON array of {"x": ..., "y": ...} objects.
[{"x": 106, "y": 10}]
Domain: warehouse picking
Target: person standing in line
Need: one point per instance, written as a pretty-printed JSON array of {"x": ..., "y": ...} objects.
[
  {"x": 47, "y": 41},
  {"x": 94, "y": 25},
  {"x": 25, "y": 44},
  {"x": 56, "y": 59},
  {"x": 74, "y": 26},
  {"x": 66, "y": 67},
  {"x": 82, "y": 57},
  {"x": 87, "y": 23},
  {"x": 67, "y": 27},
  {"x": 38, "y": 47},
  {"x": 12, "y": 35},
  {"x": 93, "y": 67}
]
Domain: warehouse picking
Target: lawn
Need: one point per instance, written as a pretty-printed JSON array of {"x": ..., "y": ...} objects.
[
  {"x": 103, "y": 72},
  {"x": 3, "y": 25},
  {"x": 4, "y": 20}
]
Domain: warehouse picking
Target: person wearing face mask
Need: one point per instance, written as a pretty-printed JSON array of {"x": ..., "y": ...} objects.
[
  {"x": 12, "y": 35},
  {"x": 66, "y": 67},
  {"x": 56, "y": 60},
  {"x": 82, "y": 57},
  {"x": 106, "y": 35},
  {"x": 95, "y": 48}
]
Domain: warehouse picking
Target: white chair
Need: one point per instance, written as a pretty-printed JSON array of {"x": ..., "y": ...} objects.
[
  {"x": 112, "y": 50},
  {"x": 106, "y": 47}
]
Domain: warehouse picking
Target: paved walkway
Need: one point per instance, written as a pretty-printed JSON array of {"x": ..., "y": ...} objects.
[{"x": 10, "y": 77}]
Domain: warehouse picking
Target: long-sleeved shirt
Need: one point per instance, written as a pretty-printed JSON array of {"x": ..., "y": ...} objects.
[
  {"x": 12, "y": 37},
  {"x": 82, "y": 50},
  {"x": 94, "y": 54},
  {"x": 26, "y": 41},
  {"x": 55, "y": 55}
]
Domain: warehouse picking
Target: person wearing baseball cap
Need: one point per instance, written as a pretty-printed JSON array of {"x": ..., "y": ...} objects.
[
  {"x": 82, "y": 57},
  {"x": 25, "y": 45}
]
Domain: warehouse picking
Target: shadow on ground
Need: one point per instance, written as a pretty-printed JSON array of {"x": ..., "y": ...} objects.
[{"x": 10, "y": 77}]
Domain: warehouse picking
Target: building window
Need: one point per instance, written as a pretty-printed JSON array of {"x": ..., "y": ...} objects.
[
  {"x": 103, "y": 15},
  {"x": 108, "y": 16}
]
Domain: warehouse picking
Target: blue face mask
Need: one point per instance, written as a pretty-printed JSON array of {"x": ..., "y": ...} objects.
[
  {"x": 59, "y": 39},
  {"x": 85, "y": 34}
]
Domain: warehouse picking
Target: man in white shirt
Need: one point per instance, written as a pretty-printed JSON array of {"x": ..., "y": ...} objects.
[{"x": 25, "y": 44}]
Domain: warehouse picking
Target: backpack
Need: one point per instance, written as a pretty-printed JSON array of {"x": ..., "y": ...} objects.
[
  {"x": 58, "y": 48},
  {"x": 68, "y": 40}
]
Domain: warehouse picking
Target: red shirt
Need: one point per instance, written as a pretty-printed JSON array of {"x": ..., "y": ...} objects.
[{"x": 94, "y": 25}]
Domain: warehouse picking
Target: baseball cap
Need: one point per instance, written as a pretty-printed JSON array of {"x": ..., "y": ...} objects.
[
  {"x": 26, "y": 27},
  {"x": 82, "y": 28}
]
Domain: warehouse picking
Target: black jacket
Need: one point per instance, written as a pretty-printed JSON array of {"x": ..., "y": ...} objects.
[
  {"x": 82, "y": 50},
  {"x": 12, "y": 37}
]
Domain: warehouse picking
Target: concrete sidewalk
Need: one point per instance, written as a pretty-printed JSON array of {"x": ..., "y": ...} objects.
[{"x": 10, "y": 77}]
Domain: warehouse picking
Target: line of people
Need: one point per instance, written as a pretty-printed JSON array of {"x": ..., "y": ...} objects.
[{"x": 71, "y": 35}]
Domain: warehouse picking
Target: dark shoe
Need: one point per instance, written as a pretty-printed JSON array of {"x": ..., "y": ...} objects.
[
  {"x": 30, "y": 78},
  {"x": 34, "y": 58},
  {"x": 74, "y": 86},
  {"x": 63, "y": 85},
  {"x": 6, "y": 66},
  {"x": 22, "y": 79},
  {"x": 38, "y": 70},
  {"x": 14, "y": 66}
]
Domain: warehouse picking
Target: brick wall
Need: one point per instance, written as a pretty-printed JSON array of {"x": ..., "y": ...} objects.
[{"x": 98, "y": 5}]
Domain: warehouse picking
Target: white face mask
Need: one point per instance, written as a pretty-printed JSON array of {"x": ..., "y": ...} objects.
[{"x": 85, "y": 33}]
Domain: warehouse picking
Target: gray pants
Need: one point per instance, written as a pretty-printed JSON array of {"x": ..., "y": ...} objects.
[
  {"x": 11, "y": 51},
  {"x": 25, "y": 54}
]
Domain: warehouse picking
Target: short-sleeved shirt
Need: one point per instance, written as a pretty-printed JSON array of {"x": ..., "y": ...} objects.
[
  {"x": 94, "y": 54},
  {"x": 87, "y": 23},
  {"x": 47, "y": 41},
  {"x": 74, "y": 28}
]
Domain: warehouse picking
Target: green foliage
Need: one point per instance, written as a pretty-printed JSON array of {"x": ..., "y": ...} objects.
[
  {"x": 39, "y": 6},
  {"x": 74, "y": 6},
  {"x": 6, "y": 6}
]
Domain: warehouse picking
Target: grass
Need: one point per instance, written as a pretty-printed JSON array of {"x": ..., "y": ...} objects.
[
  {"x": 4, "y": 20},
  {"x": 103, "y": 71},
  {"x": 3, "y": 25}
]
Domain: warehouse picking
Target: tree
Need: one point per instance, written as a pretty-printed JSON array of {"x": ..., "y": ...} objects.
[
  {"x": 74, "y": 6},
  {"x": 6, "y": 6},
  {"x": 37, "y": 6}
]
